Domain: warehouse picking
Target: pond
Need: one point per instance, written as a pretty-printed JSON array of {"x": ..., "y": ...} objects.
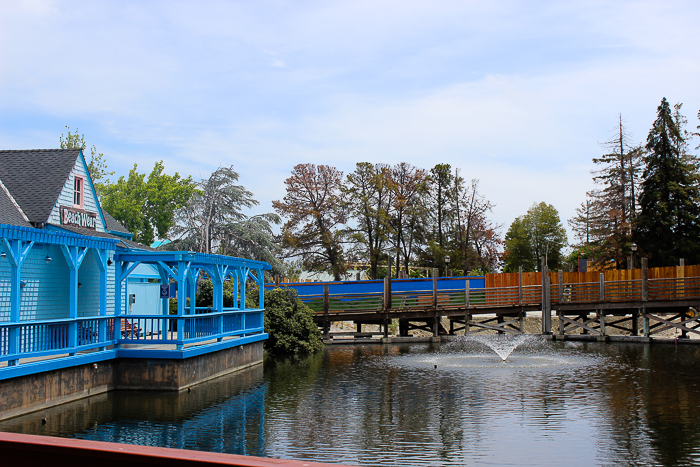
[{"x": 453, "y": 404}]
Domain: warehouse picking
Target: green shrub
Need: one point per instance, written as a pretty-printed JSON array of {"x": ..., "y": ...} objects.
[{"x": 290, "y": 324}]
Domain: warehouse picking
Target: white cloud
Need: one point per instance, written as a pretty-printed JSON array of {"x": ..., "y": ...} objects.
[{"x": 514, "y": 93}]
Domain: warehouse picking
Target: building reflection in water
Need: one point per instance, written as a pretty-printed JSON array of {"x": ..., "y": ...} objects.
[{"x": 222, "y": 415}]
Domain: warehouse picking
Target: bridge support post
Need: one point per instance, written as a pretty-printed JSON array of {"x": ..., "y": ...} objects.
[
  {"x": 646, "y": 330},
  {"x": 467, "y": 316},
  {"x": 435, "y": 300},
  {"x": 645, "y": 295},
  {"x": 601, "y": 311},
  {"x": 326, "y": 308},
  {"x": 635, "y": 322},
  {"x": 387, "y": 304},
  {"x": 387, "y": 293},
  {"x": 403, "y": 327},
  {"x": 436, "y": 318},
  {"x": 546, "y": 301},
  {"x": 520, "y": 285},
  {"x": 521, "y": 321}
]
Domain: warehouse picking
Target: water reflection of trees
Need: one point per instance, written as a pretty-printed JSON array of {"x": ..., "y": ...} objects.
[
  {"x": 624, "y": 405},
  {"x": 651, "y": 395}
]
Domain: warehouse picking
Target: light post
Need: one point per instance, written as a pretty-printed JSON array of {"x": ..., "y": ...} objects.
[
  {"x": 633, "y": 247},
  {"x": 447, "y": 265}
]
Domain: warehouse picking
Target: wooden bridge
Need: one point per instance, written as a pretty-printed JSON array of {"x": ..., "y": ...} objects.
[{"x": 600, "y": 304}]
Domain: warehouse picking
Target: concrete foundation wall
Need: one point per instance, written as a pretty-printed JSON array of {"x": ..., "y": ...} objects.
[
  {"x": 179, "y": 374},
  {"x": 39, "y": 391}
]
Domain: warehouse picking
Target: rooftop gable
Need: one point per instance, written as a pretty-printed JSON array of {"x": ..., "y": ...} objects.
[{"x": 36, "y": 177}]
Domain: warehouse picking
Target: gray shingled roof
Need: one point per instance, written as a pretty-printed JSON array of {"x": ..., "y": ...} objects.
[
  {"x": 9, "y": 214},
  {"x": 94, "y": 233},
  {"x": 112, "y": 224},
  {"x": 36, "y": 177}
]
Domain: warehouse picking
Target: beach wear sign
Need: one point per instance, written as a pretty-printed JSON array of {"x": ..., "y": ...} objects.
[{"x": 78, "y": 218}]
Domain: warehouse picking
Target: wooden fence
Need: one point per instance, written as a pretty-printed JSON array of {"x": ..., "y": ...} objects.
[{"x": 511, "y": 279}]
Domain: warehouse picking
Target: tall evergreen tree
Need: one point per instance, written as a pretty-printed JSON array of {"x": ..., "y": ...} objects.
[
  {"x": 668, "y": 226},
  {"x": 441, "y": 200},
  {"x": 603, "y": 224}
]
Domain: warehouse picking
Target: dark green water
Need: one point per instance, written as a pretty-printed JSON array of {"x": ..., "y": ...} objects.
[{"x": 572, "y": 404}]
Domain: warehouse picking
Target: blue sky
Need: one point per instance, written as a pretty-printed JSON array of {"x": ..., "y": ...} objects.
[{"x": 517, "y": 94}]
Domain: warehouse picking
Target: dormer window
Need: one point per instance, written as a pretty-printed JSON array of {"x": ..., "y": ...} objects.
[{"x": 78, "y": 191}]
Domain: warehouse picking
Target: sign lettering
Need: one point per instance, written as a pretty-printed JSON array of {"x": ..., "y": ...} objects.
[{"x": 78, "y": 218}]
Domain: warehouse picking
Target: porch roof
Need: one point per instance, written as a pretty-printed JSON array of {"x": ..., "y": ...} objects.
[
  {"x": 30, "y": 234},
  {"x": 196, "y": 259}
]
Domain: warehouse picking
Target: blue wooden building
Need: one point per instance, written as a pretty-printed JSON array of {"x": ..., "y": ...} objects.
[{"x": 65, "y": 279}]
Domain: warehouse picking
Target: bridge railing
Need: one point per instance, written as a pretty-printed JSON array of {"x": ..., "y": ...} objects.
[
  {"x": 611, "y": 291},
  {"x": 674, "y": 289}
]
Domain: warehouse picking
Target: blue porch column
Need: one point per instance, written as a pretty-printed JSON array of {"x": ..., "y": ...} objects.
[
  {"x": 194, "y": 274},
  {"x": 261, "y": 284},
  {"x": 74, "y": 258},
  {"x": 102, "y": 256},
  {"x": 122, "y": 269},
  {"x": 182, "y": 268},
  {"x": 163, "y": 328},
  {"x": 218, "y": 274},
  {"x": 17, "y": 252}
]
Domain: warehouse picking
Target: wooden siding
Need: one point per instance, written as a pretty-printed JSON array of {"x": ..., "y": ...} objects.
[
  {"x": 510, "y": 279},
  {"x": 90, "y": 203}
]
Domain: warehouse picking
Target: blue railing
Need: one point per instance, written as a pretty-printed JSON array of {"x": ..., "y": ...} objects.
[{"x": 45, "y": 341}]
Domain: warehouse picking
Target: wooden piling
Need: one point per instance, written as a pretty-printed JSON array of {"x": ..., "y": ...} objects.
[
  {"x": 326, "y": 309},
  {"x": 435, "y": 297},
  {"x": 546, "y": 301},
  {"x": 520, "y": 285},
  {"x": 436, "y": 317},
  {"x": 387, "y": 294}
]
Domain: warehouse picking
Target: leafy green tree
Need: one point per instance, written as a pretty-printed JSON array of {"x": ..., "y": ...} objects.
[
  {"x": 97, "y": 166},
  {"x": 668, "y": 226},
  {"x": 537, "y": 235},
  {"x": 146, "y": 207},
  {"x": 368, "y": 192},
  {"x": 290, "y": 324},
  {"x": 518, "y": 251},
  {"x": 314, "y": 208},
  {"x": 409, "y": 213}
]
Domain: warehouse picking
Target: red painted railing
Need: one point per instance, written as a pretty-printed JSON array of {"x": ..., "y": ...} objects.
[{"x": 30, "y": 450}]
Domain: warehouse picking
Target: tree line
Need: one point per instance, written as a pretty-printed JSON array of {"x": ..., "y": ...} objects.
[
  {"x": 378, "y": 214},
  {"x": 646, "y": 198},
  {"x": 381, "y": 214},
  {"x": 646, "y": 195}
]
